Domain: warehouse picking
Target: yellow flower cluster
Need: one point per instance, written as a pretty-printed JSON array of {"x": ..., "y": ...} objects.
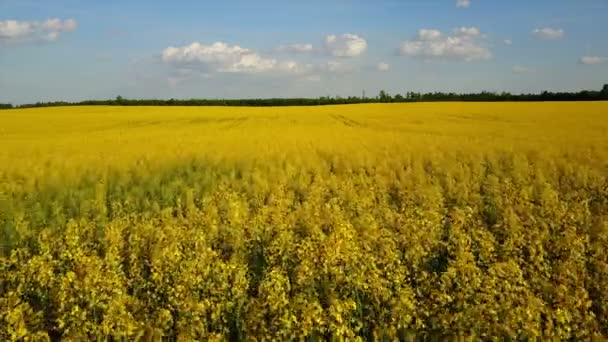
[{"x": 366, "y": 222}]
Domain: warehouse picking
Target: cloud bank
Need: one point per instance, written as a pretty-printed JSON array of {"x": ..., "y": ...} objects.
[
  {"x": 346, "y": 45},
  {"x": 12, "y": 31},
  {"x": 548, "y": 33},
  {"x": 591, "y": 60},
  {"x": 463, "y": 3},
  {"x": 464, "y": 43},
  {"x": 297, "y": 48},
  {"x": 223, "y": 58}
]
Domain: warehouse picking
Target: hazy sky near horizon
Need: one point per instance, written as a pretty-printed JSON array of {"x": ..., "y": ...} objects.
[{"x": 84, "y": 49}]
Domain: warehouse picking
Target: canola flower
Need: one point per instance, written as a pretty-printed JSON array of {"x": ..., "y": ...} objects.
[{"x": 362, "y": 222}]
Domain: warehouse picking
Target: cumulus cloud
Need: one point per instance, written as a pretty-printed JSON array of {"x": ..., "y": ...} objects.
[
  {"x": 383, "y": 66},
  {"x": 465, "y": 43},
  {"x": 508, "y": 42},
  {"x": 590, "y": 60},
  {"x": 467, "y": 31},
  {"x": 463, "y": 3},
  {"x": 346, "y": 45},
  {"x": 19, "y": 31},
  {"x": 548, "y": 33},
  {"x": 429, "y": 34},
  {"x": 221, "y": 57},
  {"x": 297, "y": 48}
]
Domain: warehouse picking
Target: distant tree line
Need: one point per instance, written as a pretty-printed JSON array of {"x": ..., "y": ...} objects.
[{"x": 383, "y": 97}]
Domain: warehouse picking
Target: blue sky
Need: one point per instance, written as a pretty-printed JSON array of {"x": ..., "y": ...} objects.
[{"x": 74, "y": 50}]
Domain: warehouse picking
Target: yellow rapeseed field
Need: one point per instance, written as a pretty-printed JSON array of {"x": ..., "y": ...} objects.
[{"x": 356, "y": 222}]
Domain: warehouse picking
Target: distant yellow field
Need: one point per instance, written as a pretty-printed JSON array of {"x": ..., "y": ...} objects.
[
  {"x": 35, "y": 141},
  {"x": 358, "y": 222}
]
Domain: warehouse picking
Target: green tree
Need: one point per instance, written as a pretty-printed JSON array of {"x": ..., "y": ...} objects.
[
  {"x": 384, "y": 96},
  {"x": 604, "y": 92}
]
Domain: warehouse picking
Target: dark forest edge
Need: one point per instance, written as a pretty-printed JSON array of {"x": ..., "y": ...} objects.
[{"x": 383, "y": 97}]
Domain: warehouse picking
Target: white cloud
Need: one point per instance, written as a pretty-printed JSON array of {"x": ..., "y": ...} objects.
[
  {"x": 56, "y": 25},
  {"x": 19, "y": 31},
  {"x": 508, "y": 42},
  {"x": 467, "y": 31},
  {"x": 297, "y": 48},
  {"x": 463, "y": 3},
  {"x": 220, "y": 57},
  {"x": 383, "y": 66},
  {"x": 14, "y": 30},
  {"x": 429, "y": 34},
  {"x": 464, "y": 44},
  {"x": 548, "y": 33},
  {"x": 590, "y": 60},
  {"x": 346, "y": 45},
  {"x": 518, "y": 69}
]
